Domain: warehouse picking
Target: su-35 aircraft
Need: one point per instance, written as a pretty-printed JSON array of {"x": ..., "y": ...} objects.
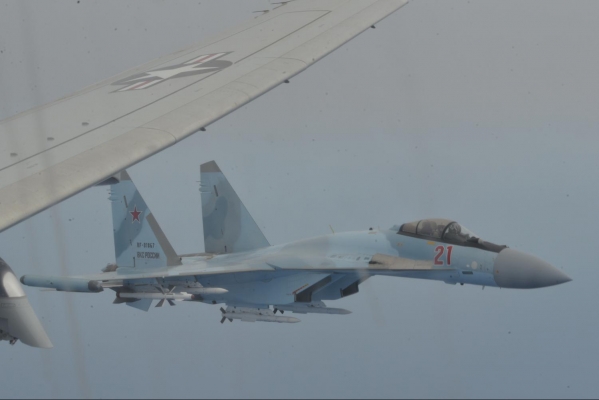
[{"x": 241, "y": 270}]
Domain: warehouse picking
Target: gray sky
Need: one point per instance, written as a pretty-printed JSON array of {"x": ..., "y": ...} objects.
[{"x": 480, "y": 111}]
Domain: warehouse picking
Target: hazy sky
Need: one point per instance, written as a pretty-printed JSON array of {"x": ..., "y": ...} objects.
[{"x": 485, "y": 112}]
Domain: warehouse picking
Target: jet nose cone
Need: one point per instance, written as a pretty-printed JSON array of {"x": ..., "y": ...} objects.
[{"x": 517, "y": 270}]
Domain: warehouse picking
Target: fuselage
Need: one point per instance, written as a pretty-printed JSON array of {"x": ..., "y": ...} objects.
[
  {"x": 321, "y": 268},
  {"x": 281, "y": 274}
]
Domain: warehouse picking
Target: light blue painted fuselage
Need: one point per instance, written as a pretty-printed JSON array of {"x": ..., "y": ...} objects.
[{"x": 281, "y": 271}]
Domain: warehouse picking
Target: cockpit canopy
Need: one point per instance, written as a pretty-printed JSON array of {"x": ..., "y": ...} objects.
[{"x": 439, "y": 228}]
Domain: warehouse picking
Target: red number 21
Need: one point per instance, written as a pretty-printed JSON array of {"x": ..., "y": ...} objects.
[{"x": 440, "y": 250}]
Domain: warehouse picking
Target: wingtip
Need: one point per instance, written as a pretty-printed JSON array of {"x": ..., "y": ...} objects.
[{"x": 209, "y": 167}]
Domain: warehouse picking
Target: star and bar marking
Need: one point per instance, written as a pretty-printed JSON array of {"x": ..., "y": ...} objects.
[{"x": 199, "y": 65}]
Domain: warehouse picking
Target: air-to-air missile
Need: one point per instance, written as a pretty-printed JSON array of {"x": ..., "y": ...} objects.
[
  {"x": 254, "y": 315},
  {"x": 310, "y": 309}
]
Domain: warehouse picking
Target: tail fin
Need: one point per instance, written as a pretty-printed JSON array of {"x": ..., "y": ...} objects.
[
  {"x": 228, "y": 226},
  {"x": 138, "y": 240}
]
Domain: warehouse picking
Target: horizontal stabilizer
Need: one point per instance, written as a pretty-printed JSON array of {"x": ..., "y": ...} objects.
[{"x": 143, "y": 304}]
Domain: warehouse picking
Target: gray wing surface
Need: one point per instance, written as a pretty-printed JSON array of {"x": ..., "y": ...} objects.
[
  {"x": 55, "y": 151},
  {"x": 382, "y": 265}
]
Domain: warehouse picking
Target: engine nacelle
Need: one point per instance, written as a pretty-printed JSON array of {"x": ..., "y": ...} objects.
[{"x": 17, "y": 319}]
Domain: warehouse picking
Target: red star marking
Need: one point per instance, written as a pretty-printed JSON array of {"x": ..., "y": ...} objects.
[{"x": 135, "y": 214}]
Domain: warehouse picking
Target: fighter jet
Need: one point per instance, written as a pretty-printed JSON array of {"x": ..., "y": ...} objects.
[{"x": 254, "y": 280}]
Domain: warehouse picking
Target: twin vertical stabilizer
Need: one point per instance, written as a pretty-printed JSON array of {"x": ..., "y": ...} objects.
[
  {"x": 140, "y": 243},
  {"x": 138, "y": 240},
  {"x": 228, "y": 226}
]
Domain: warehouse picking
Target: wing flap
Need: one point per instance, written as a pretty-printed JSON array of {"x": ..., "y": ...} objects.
[{"x": 85, "y": 138}]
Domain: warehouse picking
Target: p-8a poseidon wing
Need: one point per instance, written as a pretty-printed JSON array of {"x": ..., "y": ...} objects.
[{"x": 55, "y": 151}]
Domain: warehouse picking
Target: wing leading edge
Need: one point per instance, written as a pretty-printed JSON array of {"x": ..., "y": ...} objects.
[{"x": 110, "y": 126}]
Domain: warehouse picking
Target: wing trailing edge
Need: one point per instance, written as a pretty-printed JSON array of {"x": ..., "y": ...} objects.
[{"x": 92, "y": 142}]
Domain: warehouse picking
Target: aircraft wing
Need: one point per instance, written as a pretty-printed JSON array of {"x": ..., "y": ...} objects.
[
  {"x": 55, "y": 151},
  {"x": 380, "y": 265}
]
